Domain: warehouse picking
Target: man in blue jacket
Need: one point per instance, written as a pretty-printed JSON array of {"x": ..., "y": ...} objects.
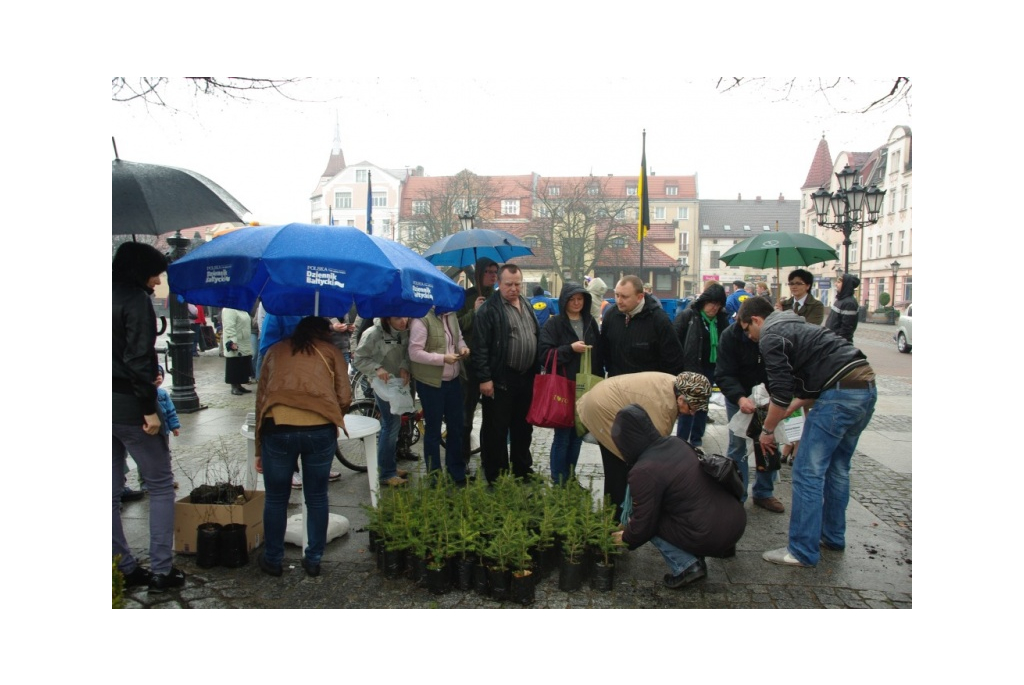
[
  {"x": 739, "y": 294},
  {"x": 543, "y": 306},
  {"x": 810, "y": 365}
]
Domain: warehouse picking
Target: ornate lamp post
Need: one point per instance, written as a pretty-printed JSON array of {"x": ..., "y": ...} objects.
[
  {"x": 895, "y": 266},
  {"x": 179, "y": 347},
  {"x": 853, "y": 207},
  {"x": 466, "y": 219}
]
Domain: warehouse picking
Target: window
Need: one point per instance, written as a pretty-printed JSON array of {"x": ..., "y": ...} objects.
[
  {"x": 871, "y": 247},
  {"x": 853, "y": 252},
  {"x": 380, "y": 199},
  {"x": 360, "y": 175},
  {"x": 903, "y": 245},
  {"x": 510, "y": 207},
  {"x": 532, "y": 241},
  {"x": 746, "y": 228},
  {"x": 904, "y": 197},
  {"x": 671, "y": 190},
  {"x": 342, "y": 200},
  {"x": 892, "y": 202},
  {"x": 895, "y": 162},
  {"x": 621, "y": 214},
  {"x": 554, "y": 190},
  {"x": 543, "y": 211},
  {"x": 768, "y": 228},
  {"x": 706, "y": 227},
  {"x": 714, "y": 259},
  {"x": 659, "y": 213},
  {"x": 618, "y": 242},
  {"x": 317, "y": 202},
  {"x": 350, "y": 222},
  {"x": 420, "y": 206},
  {"x": 633, "y": 213},
  {"x": 385, "y": 225},
  {"x": 684, "y": 242},
  {"x": 908, "y": 290},
  {"x": 683, "y": 213},
  {"x": 631, "y": 189},
  {"x": 727, "y": 227},
  {"x": 889, "y": 241},
  {"x": 881, "y": 284},
  {"x": 593, "y": 189},
  {"x": 662, "y": 282}
]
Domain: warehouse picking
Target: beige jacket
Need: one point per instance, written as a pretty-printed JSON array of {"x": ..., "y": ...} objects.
[
  {"x": 652, "y": 390},
  {"x": 303, "y": 381}
]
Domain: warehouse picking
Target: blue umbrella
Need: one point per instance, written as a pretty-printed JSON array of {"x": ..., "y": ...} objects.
[
  {"x": 466, "y": 247},
  {"x": 302, "y": 269}
]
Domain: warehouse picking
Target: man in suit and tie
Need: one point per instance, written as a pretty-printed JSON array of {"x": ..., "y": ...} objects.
[{"x": 801, "y": 301}]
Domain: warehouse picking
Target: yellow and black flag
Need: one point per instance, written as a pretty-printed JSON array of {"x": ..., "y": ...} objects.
[{"x": 644, "y": 223}]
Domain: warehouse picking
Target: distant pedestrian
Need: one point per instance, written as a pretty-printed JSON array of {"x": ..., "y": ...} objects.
[
  {"x": 597, "y": 289},
  {"x": 237, "y": 334},
  {"x": 543, "y": 306},
  {"x": 762, "y": 290},
  {"x": 843, "y": 318},
  {"x": 732, "y": 304}
]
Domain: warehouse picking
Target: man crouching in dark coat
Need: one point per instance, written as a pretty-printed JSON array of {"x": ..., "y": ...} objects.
[{"x": 677, "y": 507}]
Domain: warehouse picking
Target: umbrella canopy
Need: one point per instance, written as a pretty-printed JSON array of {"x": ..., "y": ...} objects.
[
  {"x": 149, "y": 199},
  {"x": 779, "y": 249},
  {"x": 466, "y": 247},
  {"x": 302, "y": 269}
]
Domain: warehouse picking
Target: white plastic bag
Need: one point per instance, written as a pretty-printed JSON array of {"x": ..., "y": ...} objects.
[{"x": 397, "y": 394}]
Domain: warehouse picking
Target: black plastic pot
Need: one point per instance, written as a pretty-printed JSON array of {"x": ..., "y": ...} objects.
[
  {"x": 372, "y": 544},
  {"x": 415, "y": 567},
  {"x": 541, "y": 564},
  {"x": 602, "y": 578},
  {"x": 207, "y": 535},
  {"x": 394, "y": 563},
  {"x": 232, "y": 549},
  {"x": 439, "y": 580},
  {"x": 480, "y": 584},
  {"x": 500, "y": 582},
  {"x": 462, "y": 572},
  {"x": 523, "y": 587},
  {"x": 570, "y": 575}
]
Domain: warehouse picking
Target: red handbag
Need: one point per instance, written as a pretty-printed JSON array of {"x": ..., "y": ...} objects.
[{"x": 554, "y": 398}]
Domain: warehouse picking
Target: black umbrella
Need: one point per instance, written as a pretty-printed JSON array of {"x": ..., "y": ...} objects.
[{"x": 149, "y": 199}]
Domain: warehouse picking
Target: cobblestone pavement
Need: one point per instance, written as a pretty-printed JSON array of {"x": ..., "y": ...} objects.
[{"x": 875, "y": 571}]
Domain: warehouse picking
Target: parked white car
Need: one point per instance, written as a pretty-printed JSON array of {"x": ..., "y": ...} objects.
[{"x": 905, "y": 330}]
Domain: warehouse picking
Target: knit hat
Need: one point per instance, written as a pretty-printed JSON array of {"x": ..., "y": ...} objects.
[{"x": 694, "y": 388}]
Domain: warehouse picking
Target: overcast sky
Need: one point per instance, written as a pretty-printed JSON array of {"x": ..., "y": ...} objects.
[{"x": 756, "y": 140}]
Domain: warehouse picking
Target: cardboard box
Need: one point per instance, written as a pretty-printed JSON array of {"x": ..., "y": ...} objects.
[{"x": 188, "y": 517}]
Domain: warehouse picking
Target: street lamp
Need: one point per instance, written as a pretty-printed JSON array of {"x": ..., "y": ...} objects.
[
  {"x": 680, "y": 268},
  {"x": 466, "y": 219},
  {"x": 180, "y": 344},
  {"x": 895, "y": 267},
  {"x": 853, "y": 207}
]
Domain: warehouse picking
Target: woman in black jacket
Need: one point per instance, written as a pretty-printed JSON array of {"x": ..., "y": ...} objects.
[
  {"x": 698, "y": 327},
  {"x": 136, "y": 425},
  {"x": 569, "y": 334}
]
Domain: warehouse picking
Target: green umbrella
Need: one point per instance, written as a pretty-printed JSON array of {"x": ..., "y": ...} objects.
[{"x": 777, "y": 249}]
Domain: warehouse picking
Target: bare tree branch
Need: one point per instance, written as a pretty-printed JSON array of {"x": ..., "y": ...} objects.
[{"x": 149, "y": 88}]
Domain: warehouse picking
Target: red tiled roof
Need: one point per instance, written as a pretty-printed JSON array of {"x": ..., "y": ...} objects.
[{"x": 820, "y": 173}]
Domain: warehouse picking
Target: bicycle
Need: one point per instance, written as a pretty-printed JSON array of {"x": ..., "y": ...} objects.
[{"x": 354, "y": 456}]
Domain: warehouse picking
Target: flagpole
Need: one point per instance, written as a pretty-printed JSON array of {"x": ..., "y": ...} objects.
[
  {"x": 644, "y": 214},
  {"x": 369, "y": 203}
]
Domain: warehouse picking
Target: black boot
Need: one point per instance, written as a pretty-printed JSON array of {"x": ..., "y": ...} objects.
[{"x": 237, "y": 389}]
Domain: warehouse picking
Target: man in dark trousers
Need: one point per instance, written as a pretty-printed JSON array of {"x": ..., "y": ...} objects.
[
  {"x": 842, "y": 320},
  {"x": 811, "y": 365},
  {"x": 739, "y": 369},
  {"x": 485, "y": 272},
  {"x": 504, "y": 359}
]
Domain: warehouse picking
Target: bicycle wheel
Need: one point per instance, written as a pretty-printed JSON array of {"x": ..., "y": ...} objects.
[
  {"x": 354, "y": 455},
  {"x": 361, "y": 389}
]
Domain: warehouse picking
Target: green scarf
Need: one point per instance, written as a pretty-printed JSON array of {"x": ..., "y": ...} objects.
[{"x": 712, "y": 326}]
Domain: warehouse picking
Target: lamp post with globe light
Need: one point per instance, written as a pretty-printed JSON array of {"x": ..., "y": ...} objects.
[{"x": 852, "y": 207}]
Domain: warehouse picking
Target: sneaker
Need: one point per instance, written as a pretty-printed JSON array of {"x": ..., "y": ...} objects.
[
  {"x": 331, "y": 477},
  {"x": 694, "y": 571},
  {"x": 394, "y": 481},
  {"x": 161, "y": 582},
  {"x": 296, "y": 481},
  {"x": 267, "y": 567},
  {"x": 138, "y": 577},
  {"x": 832, "y": 548},
  {"x": 402, "y": 473},
  {"x": 782, "y": 557},
  {"x": 770, "y": 503}
]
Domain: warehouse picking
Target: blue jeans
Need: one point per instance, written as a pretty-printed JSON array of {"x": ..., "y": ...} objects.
[
  {"x": 387, "y": 464},
  {"x": 821, "y": 476},
  {"x": 678, "y": 560},
  {"x": 764, "y": 483},
  {"x": 153, "y": 457},
  {"x": 691, "y": 428},
  {"x": 565, "y": 453},
  {"x": 444, "y": 403},
  {"x": 280, "y": 453}
]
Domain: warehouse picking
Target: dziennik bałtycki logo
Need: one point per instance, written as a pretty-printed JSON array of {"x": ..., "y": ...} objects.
[{"x": 321, "y": 276}]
